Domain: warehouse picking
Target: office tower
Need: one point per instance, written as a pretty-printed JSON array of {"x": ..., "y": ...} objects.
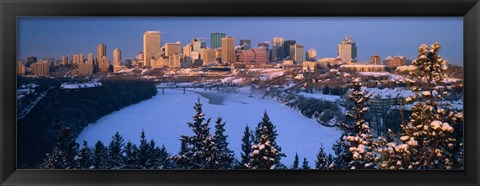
[
  {"x": 81, "y": 57},
  {"x": 375, "y": 60},
  {"x": 347, "y": 50},
  {"x": 246, "y": 44},
  {"x": 90, "y": 58},
  {"x": 101, "y": 51},
  {"x": 64, "y": 60},
  {"x": 172, "y": 48},
  {"x": 216, "y": 39},
  {"x": 104, "y": 64},
  {"x": 276, "y": 54},
  {"x": 296, "y": 53},
  {"x": 286, "y": 47},
  {"x": 41, "y": 68},
  {"x": 228, "y": 49},
  {"x": 117, "y": 58},
  {"x": 311, "y": 55},
  {"x": 196, "y": 44},
  {"x": 151, "y": 46},
  {"x": 203, "y": 44},
  {"x": 187, "y": 50},
  {"x": 208, "y": 56},
  {"x": 175, "y": 60}
]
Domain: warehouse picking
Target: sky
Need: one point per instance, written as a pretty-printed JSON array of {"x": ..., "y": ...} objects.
[{"x": 389, "y": 36}]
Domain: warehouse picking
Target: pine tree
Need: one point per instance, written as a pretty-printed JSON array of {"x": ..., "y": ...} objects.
[
  {"x": 225, "y": 156},
  {"x": 144, "y": 152},
  {"x": 100, "y": 156},
  {"x": 342, "y": 153},
  {"x": 247, "y": 142},
  {"x": 54, "y": 160},
  {"x": 295, "y": 162},
  {"x": 360, "y": 140},
  {"x": 428, "y": 139},
  {"x": 161, "y": 157},
  {"x": 68, "y": 147},
  {"x": 130, "y": 160},
  {"x": 85, "y": 160},
  {"x": 200, "y": 149},
  {"x": 305, "y": 164},
  {"x": 114, "y": 150},
  {"x": 272, "y": 136},
  {"x": 322, "y": 161},
  {"x": 264, "y": 154}
]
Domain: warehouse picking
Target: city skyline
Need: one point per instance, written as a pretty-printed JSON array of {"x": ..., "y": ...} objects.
[{"x": 374, "y": 36}]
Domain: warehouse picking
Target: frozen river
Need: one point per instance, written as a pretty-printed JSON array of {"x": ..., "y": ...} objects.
[{"x": 164, "y": 118}]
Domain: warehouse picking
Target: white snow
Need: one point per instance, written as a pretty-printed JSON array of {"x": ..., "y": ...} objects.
[
  {"x": 387, "y": 92},
  {"x": 164, "y": 118},
  {"x": 80, "y": 85},
  {"x": 326, "y": 97}
]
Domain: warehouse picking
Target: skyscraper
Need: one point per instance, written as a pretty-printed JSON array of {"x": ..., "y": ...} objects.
[
  {"x": 216, "y": 39},
  {"x": 117, "y": 57},
  {"x": 196, "y": 44},
  {"x": 286, "y": 47},
  {"x": 228, "y": 49},
  {"x": 101, "y": 51},
  {"x": 347, "y": 50},
  {"x": 208, "y": 56},
  {"x": 151, "y": 46},
  {"x": 296, "y": 53},
  {"x": 90, "y": 58},
  {"x": 277, "y": 42},
  {"x": 246, "y": 44},
  {"x": 64, "y": 60}
]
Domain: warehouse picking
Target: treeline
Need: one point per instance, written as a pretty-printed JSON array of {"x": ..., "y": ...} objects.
[
  {"x": 74, "y": 108},
  {"x": 202, "y": 150}
]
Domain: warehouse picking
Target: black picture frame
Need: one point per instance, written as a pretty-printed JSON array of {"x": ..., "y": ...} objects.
[{"x": 468, "y": 9}]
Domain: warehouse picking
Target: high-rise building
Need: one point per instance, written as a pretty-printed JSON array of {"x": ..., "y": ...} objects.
[
  {"x": 246, "y": 56},
  {"x": 85, "y": 69},
  {"x": 203, "y": 44},
  {"x": 261, "y": 56},
  {"x": 311, "y": 55},
  {"x": 64, "y": 60},
  {"x": 286, "y": 47},
  {"x": 347, "y": 50},
  {"x": 196, "y": 44},
  {"x": 187, "y": 50},
  {"x": 395, "y": 61},
  {"x": 101, "y": 51},
  {"x": 276, "y": 54},
  {"x": 175, "y": 60},
  {"x": 90, "y": 58},
  {"x": 117, "y": 59},
  {"x": 264, "y": 45},
  {"x": 151, "y": 46},
  {"x": 245, "y": 44},
  {"x": 41, "y": 68},
  {"x": 277, "y": 42},
  {"x": 104, "y": 64},
  {"x": 208, "y": 56},
  {"x": 375, "y": 60},
  {"x": 228, "y": 49},
  {"x": 216, "y": 39},
  {"x": 172, "y": 48},
  {"x": 296, "y": 53}
]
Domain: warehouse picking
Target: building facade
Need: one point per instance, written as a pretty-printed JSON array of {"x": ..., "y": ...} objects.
[
  {"x": 216, "y": 39},
  {"x": 347, "y": 50},
  {"x": 311, "y": 55},
  {"x": 296, "y": 53},
  {"x": 101, "y": 51},
  {"x": 228, "y": 49},
  {"x": 375, "y": 60},
  {"x": 151, "y": 46},
  {"x": 41, "y": 68}
]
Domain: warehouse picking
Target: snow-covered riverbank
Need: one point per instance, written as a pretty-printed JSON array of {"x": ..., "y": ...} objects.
[{"x": 164, "y": 118}]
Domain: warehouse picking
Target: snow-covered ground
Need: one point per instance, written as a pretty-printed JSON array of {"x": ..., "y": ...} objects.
[
  {"x": 388, "y": 92},
  {"x": 80, "y": 85},
  {"x": 326, "y": 97},
  {"x": 164, "y": 118}
]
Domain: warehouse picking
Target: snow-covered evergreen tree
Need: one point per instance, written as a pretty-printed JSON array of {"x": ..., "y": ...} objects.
[
  {"x": 428, "y": 139},
  {"x": 54, "y": 160},
  {"x": 322, "y": 161},
  {"x": 144, "y": 152},
  {"x": 85, "y": 157},
  {"x": 130, "y": 158},
  {"x": 225, "y": 156},
  {"x": 264, "y": 154},
  {"x": 272, "y": 136},
  {"x": 68, "y": 147},
  {"x": 343, "y": 156},
  {"x": 100, "y": 156},
  {"x": 200, "y": 152},
  {"x": 247, "y": 142},
  {"x": 295, "y": 162},
  {"x": 305, "y": 165},
  {"x": 114, "y": 152}
]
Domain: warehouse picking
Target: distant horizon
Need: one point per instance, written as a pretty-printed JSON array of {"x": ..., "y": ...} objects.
[{"x": 47, "y": 37}]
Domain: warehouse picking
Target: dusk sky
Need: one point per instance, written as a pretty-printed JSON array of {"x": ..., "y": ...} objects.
[{"x": 57, "y": 36}]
